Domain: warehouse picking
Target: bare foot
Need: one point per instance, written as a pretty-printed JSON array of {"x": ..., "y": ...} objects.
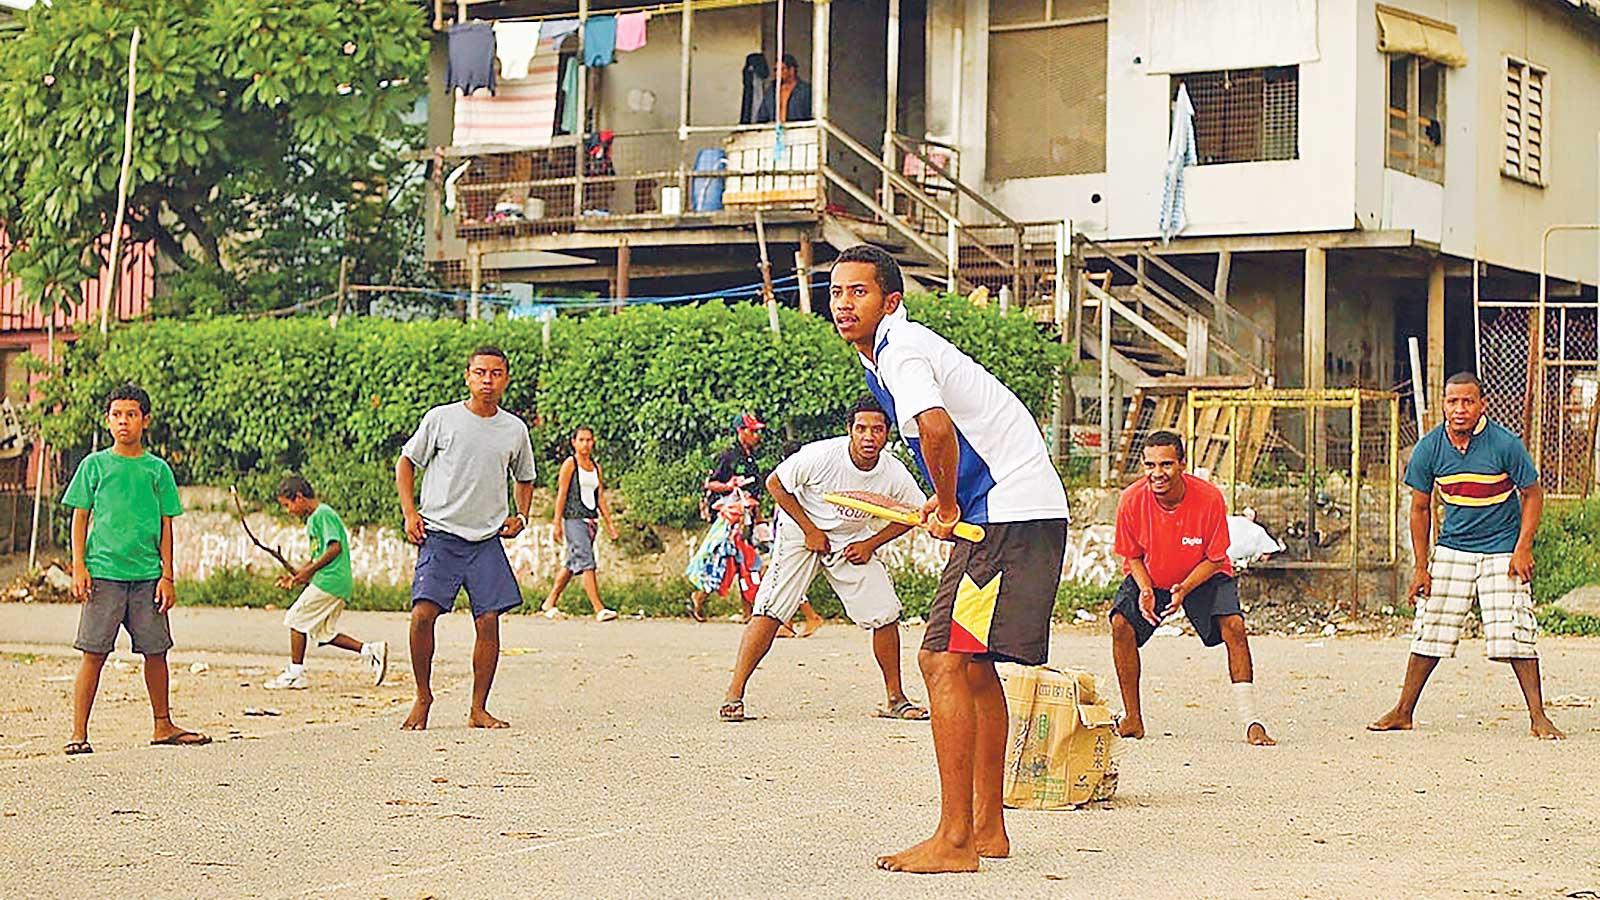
[
  {"x": 1256, "y": 736},
  {"x": 1393, "y": 720},
  {"x": 785, "y": 631},
  {"x": 418, "y": 720},
  {"x": 480, "y": 718},
  {"x": 1131, "y": 727},
  {"x": 1546, "y": 730},
  {"x": 932, "y": 856},
  {"x": 809, "y": 628},
  {"x": 992, "y": 840}
]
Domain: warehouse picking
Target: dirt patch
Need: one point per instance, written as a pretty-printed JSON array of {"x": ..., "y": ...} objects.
[{"x": 224, "y": 701}]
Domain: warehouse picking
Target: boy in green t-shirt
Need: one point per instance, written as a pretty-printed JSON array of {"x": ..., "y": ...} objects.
[
  {"x": 327, "y": 583},
  {"x": 123, "y": 500}
]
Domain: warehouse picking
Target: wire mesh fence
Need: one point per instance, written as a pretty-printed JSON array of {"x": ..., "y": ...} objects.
[
  {"x": 1569, "y": 379},
  {"x": 1319, "y": 470}
]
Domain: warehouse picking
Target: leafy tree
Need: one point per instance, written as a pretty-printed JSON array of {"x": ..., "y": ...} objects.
[{"x": 255, "y": 120}]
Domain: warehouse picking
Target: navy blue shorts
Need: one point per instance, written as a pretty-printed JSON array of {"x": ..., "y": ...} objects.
[
  {"x": 447, "y": 563},
  {"x": 1217, "y": 598}
]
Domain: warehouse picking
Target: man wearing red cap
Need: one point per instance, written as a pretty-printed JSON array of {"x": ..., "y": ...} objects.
[{"x": 737, "y": 466}]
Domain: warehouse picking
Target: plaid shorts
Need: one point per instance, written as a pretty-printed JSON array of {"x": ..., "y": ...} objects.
[{"x": 1504, "y": 602}]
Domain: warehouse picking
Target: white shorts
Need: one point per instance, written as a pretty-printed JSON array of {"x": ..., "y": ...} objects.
[
  {"x": 1504, "y": 601},
  {"x": 866, "y": 591},
  {"x": 315, "y": 614}
]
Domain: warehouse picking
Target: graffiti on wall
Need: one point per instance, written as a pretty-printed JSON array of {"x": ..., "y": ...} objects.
[{"x": 209, "y": 542}]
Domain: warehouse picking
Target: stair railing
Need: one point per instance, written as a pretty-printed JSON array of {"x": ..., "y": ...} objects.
[
  {"x": 1231, "y": 319},
  {"x": 963, "y": 190},
  {"x": 947, "y": 256}
]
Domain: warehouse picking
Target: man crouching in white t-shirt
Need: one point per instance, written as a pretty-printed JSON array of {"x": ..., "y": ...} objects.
[{"x": 813, "y": 534}]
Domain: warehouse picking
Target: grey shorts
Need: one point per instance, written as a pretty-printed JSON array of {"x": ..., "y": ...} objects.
[
  {"x": 123, "y": 604},
  {"x": 578, "y": 535}
]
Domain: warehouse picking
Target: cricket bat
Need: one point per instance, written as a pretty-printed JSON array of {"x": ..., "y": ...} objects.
[{"x": 892, "y": 510}]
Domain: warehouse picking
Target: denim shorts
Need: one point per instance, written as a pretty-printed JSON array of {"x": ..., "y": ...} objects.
[{"x": 447, "y": 563}]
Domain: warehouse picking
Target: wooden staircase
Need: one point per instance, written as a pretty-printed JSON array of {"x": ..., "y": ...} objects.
[
  {"x": 1151, "y": 320},
  {"x": 938, "y": 247}
]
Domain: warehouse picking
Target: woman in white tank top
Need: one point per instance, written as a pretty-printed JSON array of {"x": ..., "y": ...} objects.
[{"x": 580, "y": 507}]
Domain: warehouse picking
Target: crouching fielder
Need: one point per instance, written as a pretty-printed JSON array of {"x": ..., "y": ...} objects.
[
  {"x": 814, "y": 535},
  {"x": 1172, "y": 535}
]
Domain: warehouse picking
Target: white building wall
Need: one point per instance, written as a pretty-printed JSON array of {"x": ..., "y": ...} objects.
[{"x": 1313, "y": 193}]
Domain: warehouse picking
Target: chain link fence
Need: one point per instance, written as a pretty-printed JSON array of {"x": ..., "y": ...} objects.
[
  {"x": 1319, "y": 470},
  {"x": 1569, "y": 379}
]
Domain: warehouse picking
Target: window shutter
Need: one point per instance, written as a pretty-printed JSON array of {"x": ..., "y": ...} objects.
[
  {"x": 1524, "y": 122},
  {"x": 1533, "y": 125}
]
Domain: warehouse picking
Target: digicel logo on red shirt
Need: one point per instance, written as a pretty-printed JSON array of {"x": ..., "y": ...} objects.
[{"x": 1193, "y": 541}]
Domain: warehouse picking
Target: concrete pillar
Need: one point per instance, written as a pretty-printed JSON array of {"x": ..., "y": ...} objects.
[
  {"x": 1315, "y": 346},
  {"x": 624, "y": 275},
  {"x": 1315, "y": 350}
]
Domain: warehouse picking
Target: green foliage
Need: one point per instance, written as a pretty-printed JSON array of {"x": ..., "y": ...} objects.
[
  {"x": 1559, "y": 622},
  {"x": 242, "y": 106},
  {"x": 1565, "y": 553},
  {"x": 243, "y": 402}
]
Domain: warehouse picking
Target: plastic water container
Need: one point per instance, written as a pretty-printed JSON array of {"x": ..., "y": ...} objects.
[
  {"x": 705, "y": 194},
  {"x": 671, "y": 200}
]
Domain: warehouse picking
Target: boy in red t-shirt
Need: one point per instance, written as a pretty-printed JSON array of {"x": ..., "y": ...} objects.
[{"x": 1172, "y": 535}]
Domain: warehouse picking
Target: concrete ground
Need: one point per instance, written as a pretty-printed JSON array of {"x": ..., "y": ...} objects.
[{"x": 617, "y": 779}]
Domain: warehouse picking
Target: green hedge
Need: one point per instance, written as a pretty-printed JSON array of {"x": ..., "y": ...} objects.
[
  {"x": 243, "y": 402},
  {"x": 1565, "y": 553}
]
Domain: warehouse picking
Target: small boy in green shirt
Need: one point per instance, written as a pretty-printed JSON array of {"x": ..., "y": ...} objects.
[
  {"x": 123, "y": 500},
  {"x": 327, "y": 583}
]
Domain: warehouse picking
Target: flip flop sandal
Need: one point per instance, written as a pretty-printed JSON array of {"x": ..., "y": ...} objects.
[
  {"x": 183, "y": 739},
  {"x": 694, "y": 614},
  {"x": 905, "y": 711},
  {"x": 732, "y": 711},
  {"x": 78, "y": 748}
]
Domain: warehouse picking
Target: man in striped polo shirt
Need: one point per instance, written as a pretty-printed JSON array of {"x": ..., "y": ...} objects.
[{"x": 1485, "y": 549}]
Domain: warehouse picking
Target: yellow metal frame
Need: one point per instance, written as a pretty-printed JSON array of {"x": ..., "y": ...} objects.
[{"x": 1311, "y": 401}]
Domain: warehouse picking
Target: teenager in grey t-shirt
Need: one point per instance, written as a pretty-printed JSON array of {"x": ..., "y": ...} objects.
[{"x": 469, "y": 459}]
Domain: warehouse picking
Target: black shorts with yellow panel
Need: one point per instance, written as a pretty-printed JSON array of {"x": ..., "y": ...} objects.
[{"x": 996, "y": 597}]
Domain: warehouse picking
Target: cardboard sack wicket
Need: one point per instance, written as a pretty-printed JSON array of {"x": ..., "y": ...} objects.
[{"x": 1061, "y": 745}]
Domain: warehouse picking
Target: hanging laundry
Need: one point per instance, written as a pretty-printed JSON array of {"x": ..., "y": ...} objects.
[
  {"x": 569, "y": 97},
  {"x": 755, "y": 75},
  {"x": 631, "y": 30},
  {"x": 600, "y": 41},
  {"x": 450, "y": 185},
  {"x": 515, "y": 44},
  {"x": 471, "y": 62},
  {"x": 1180, "y": 155},
  {"x": 521, "y": 114},
  {"x": 556, "y": 29}
]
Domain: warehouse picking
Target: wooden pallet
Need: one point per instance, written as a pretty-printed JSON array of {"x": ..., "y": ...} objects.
[{"x": 1161, "y": 404}]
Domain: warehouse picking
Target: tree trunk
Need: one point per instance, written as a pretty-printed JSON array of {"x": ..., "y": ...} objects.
[{"x": 197, "y": 229}]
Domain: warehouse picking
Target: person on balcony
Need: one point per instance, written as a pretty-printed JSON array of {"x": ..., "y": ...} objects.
[{"x": 789, "y": 94}]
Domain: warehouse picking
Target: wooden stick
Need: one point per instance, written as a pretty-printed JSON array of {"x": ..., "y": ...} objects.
[
  {"x": 273, "y": 551},
  {"x": 766, "y": 271},
  {"x": 114, "y": 272}
]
